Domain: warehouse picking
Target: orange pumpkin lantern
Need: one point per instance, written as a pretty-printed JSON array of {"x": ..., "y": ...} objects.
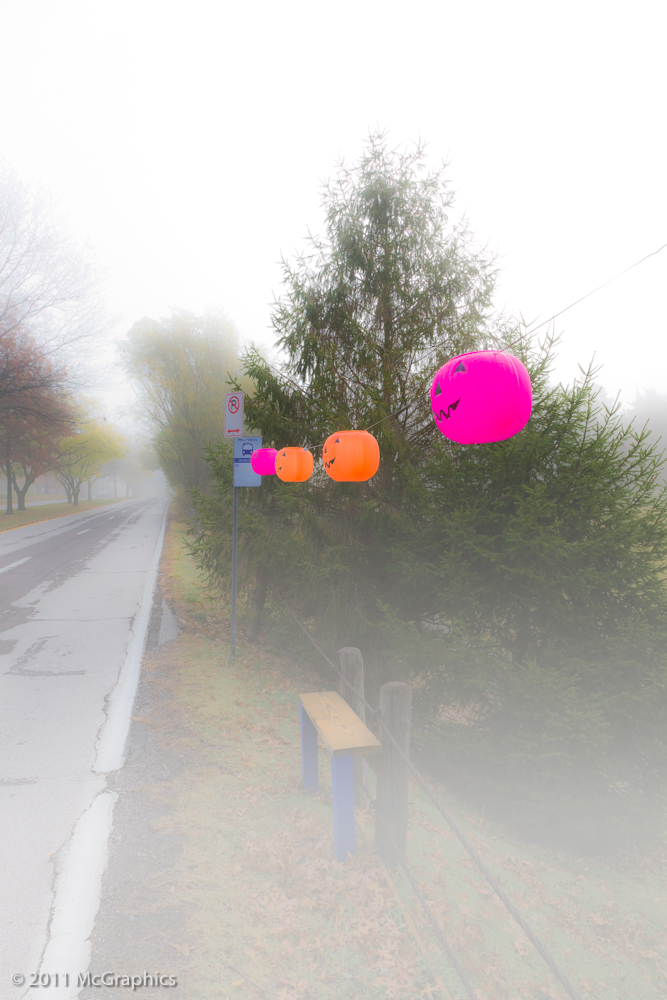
[
  {"x": 351, "y": 456},
  {"x": 294, "y": 465}
]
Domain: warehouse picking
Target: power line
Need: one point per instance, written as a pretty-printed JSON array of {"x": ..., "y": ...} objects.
[
  {"x": 526, "y": 333},
  {"x": 588, "y": 294},
  {"x": 529, "y": 333}
]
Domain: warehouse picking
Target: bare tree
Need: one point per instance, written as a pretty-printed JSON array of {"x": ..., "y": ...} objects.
[
  {"x": 49, "y": 313},
  {"x": 47, "y": 284}
]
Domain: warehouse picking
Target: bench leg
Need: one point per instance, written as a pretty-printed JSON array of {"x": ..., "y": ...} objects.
[
  {"x": 309, "y": 776},
  {"x": 342, "y": 786}
]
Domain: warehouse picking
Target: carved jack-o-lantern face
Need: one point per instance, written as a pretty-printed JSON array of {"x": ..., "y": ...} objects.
[
  {"x": 481, "y": 397},
  {"x": 294, "y": 465},
  {"x": 263, "y": 461},
  {"x": 351, "y": 456}
]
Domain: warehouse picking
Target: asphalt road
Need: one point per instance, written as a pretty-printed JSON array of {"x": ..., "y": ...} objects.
[{"x": 69, "y": 591}]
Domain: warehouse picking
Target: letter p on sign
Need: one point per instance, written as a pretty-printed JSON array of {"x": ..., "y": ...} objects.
[{"x": 234, "y": 414}]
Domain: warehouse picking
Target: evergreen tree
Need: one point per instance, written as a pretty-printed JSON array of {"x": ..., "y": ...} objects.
[{"x": 389, "y": 291}]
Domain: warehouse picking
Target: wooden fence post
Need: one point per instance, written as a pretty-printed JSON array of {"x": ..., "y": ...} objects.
[
  {"x": 352, "y": 668},
  {"x": 391, "y": 807}
]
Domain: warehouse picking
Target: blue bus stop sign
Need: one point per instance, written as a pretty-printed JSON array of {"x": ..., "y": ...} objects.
[{"x": 243, "y": 471}]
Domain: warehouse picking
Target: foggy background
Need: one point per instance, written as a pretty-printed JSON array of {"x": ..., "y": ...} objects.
[{"x": 186, "y": 146}]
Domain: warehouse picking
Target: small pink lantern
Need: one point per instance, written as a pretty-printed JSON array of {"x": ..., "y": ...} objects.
[
  {"x": 263, "y": 461},
  {"x": 481, "y": 397}
]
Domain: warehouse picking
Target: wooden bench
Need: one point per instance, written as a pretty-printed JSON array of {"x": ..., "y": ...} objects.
[{"x": 344, "y": 735}]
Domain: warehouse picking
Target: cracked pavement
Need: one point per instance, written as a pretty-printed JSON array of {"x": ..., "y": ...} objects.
[{"x": 66, "y": 609}]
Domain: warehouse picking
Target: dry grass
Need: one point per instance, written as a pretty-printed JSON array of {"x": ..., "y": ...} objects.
[
  {"x": 46, "y": 512},
  {"x": 273, "y": 914}
]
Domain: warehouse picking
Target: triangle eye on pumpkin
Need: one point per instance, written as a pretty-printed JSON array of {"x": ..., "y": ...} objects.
[
  {"x": 460, "y": 367},
  {"x": 297, "y": 465},
  {"x": 438, "y": 389}
]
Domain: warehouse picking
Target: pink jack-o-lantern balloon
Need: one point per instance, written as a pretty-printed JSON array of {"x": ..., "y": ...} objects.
[
  {"x": 263, "y": 461},
  {"x": 481, "y": 397}
]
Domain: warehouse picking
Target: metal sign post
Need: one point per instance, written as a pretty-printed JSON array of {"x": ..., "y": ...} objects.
[
  {"x": 235, "y": 552},
  {"x": 243, "y": 476}
]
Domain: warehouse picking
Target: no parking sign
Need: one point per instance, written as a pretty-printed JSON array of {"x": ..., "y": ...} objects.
[{"x": 233, "y": 414}]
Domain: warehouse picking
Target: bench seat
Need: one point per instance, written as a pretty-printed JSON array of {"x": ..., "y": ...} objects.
[
  {"x": 341, "y": 729},
  {"x": 328, "y": 714}
]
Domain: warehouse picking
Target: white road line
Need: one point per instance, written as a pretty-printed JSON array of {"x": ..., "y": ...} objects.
[
  {"x": 83, "y": 532},
  {"x": 113, "y": 735},
  {"x": 20, "y": 562},
  {"x": 77, "y": 898}
]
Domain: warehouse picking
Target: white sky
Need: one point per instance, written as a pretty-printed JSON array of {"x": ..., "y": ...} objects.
[{"x": 187, "y": 141}]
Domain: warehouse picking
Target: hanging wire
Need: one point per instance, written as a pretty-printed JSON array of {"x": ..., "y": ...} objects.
[
  {"x": 513, "y": 343},
  {"x": 495, "y": 885},
  {"x": 529, "y": 333},
  {"x": 588, "y": 294}
]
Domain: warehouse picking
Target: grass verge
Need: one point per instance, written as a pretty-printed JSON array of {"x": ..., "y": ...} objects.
[
  {"x": 272, "y": 913},
  {"x": 46, "y": 512}
]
